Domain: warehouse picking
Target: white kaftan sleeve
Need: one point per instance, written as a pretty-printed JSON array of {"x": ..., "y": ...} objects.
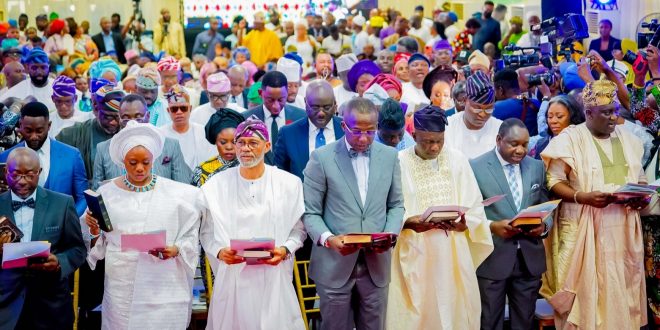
[{"x": 298, "y": 234}]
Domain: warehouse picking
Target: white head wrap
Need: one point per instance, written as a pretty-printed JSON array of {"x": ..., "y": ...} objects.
[
  {"x": 133, "y": 135},
  {"x": 290, "y": 69},
  {"x": 345, "y": 62}
]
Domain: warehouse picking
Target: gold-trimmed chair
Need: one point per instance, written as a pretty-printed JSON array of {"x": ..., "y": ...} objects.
[{"x": 304, "y": 284}]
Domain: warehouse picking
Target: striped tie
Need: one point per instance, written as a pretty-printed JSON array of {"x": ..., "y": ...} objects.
[{"x": 513, "y": 184}]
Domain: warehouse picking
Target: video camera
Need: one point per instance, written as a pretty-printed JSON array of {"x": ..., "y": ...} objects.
[
  {"x": 137, "y": 19},
  {"x": 638, "y": 60},
  {"x": 565, "y": 29}
]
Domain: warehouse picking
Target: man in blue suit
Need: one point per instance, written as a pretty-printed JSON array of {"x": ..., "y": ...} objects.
[
  {"x": 39, "y": 295},
  {"x": 352, "y": 186},
  {"x": 62, "y": 166},
  {"x": 319, "y": 128}
]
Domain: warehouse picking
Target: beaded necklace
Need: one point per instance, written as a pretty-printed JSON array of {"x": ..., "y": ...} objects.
[{"x": 144, "y": 188}]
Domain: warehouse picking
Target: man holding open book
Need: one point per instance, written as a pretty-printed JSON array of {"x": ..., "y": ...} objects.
[
  {"x": 34, "y": 291},
  {"x": 434, "y": 279},
  {"x": 514, "y": 268},
  {"x": 353, "y": 186},
  {"x": 253, "y": 232}
]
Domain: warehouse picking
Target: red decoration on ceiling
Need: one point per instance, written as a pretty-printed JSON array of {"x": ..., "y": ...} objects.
[
  {"x": 265, "y": 6},
  {"x": 254, "y": 6},
  {"x": 286, "y": 6},
  {"x": 321, "y": 6},
  {"x": 206, "y": 7},
  {"x": 228, "y": 7},
  {"x": 240, "y": 7},
  {"x": 195, "y": 7}
]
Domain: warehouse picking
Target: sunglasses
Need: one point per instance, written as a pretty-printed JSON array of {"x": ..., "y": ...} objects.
[{"x": 181, "y": 108}]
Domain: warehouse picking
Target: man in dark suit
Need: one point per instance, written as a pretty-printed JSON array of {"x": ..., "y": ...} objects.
[
  {"x": 238, "y": 77},
  {"x": 62, "y": 167},
  {"x": 39, "y": 296},
  {"x": 319, "y": 128},
  {"x": 352, "y": 186},
  {"x": 274, "y": 111},
  {"x": 515, "y": 267},
  {"x": 107, "y": 41}
]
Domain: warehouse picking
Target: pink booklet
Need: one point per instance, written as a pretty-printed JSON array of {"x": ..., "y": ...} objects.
[
  {"x": 253, "y": 249},
  {"x": 143, "y": 242},
  {"x": 16, "y": 255}
]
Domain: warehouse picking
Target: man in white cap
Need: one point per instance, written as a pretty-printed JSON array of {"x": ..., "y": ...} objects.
[
  {"x": 619, "y": 68},
  {"x": 218, "y": 90},
  {"x": 292, "y": 71},
  {"x": 360, "y": 35},
  {"x": 343, "y": 92}
]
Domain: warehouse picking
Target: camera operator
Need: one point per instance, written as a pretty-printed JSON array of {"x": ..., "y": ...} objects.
[
  {"x": 648, "y": 116},
  {"x": 511, "y": 103}
]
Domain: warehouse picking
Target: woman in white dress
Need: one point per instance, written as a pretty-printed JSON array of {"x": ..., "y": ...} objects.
[
  {"x": 303, "y": 43},
  {"x": 146, "y": 290}
]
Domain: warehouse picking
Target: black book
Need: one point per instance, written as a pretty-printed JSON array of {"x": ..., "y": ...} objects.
[
  {"x": 97, "y": 207},
  {"x": 7, "y": 225}
]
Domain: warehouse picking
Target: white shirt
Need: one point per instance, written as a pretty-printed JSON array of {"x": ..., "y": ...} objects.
[
  {"x": 194, "y": 146},
  {"x": 361, "y": 170},
  {"x": 44, "y": 160},
  {"x": 342, "y": 95},
  {"x": 451, "y": 32},
  {"x": 203, "y": 113},
  {"x": 328, "y": 134},
  {"x": 334, "y": 46},
  {"x": 57, "y": 124},
  {"x": 24, "y": 217},
  {"x": 413, "y": 96},
  {"x": 25, "y": 88},
  {"x": 471, "y": 143},
  {"x": 238, "y": 100},
  {"x": 299, "y": 102},
  {"x": 359, "y": 41},
  {"x": 375, "y": 41},
  {"x": 424, "y": 33},
  {"x": 516, "y": 172},
  {"x": 281, "y": 121}
]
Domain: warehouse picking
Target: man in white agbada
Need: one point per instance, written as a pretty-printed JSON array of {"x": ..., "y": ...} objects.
[
  {"x": 218, "y": 90},
  {"x": 434, "y": 282},
  {"x": 146, "y": 290},
  {"x": 293, "y": 72},
  {"x": 65, "y": 115},
  {"x": 247, "y": 203},
  {"x": 39, "y": 85}
]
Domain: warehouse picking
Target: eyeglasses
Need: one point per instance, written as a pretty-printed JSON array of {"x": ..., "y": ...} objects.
[
  {"x": 479, "y": 110},
  {"x": 106, "y": 117},
  {"x": 252, "y": 144},
  {"x": 216, "y": 97},
  {"x": 328, "y": 108},
  {"x": 357, "y": 132},
  {"x": 139, "y": 119},
  {"x": 182, "y": 108},
  {"x": 18, "y": 177}
]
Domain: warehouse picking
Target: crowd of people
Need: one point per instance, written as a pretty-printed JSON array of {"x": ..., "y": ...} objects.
[{"x": 304, "y": 132}]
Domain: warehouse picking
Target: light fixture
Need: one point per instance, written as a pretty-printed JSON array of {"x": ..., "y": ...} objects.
[{"x": 72, "y": 8}]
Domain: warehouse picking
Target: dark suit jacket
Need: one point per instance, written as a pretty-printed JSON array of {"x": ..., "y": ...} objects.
[
  {"x": 324, "y": 31},
  {"x": 606, "y": 54},
  {"x": 119, "y": 45},
  {"x": 67, "y": 172},
  {"x": 291, "y": 114},
  {"x": 43, "y": 300},
  {"x": 291, "y": 151},
  {"x": 492, "y": 181}
]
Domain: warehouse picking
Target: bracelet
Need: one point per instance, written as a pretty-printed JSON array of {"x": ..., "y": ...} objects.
[{"x": 575, "y": 197}]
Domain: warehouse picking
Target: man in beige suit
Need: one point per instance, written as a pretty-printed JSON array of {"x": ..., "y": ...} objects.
[{"x": 168, "y": 36}]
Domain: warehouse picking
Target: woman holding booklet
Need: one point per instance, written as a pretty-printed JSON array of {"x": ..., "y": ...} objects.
[{"x": 152, "y": 251}]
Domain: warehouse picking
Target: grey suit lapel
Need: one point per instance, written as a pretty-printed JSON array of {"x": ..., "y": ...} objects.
[
  {"x": 346, "y": 168},
  {"x": 374, "y": 171},
  {"x": 525, "y": 171},
  {"x": 497, "y": 172},
  {"x": 38, "y": 221}
]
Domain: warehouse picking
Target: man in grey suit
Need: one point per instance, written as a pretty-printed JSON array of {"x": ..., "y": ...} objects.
[
  {"x": 515, "y": 267},
  {"x": 352, "y": 186},
  {"x": 169, "y": 165},
  {"x": 38, "y": 296}
]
